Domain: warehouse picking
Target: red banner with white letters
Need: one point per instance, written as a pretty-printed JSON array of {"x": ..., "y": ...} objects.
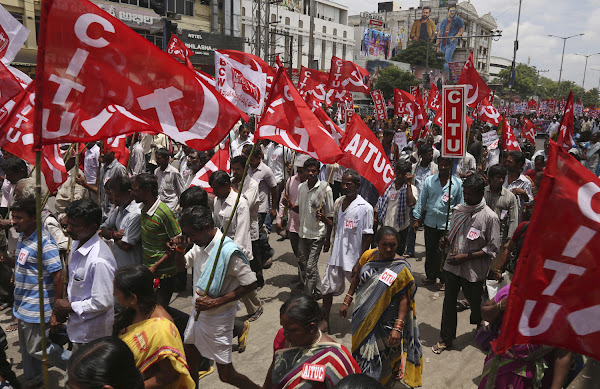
[
  {"x": 364, "y": 153},
  {"x": 218, "y": 161},
  {"x": 346, "y": 75},
  {"x": 102, "y": 79},
  {"x": 454, "y": 121},
  {"x": 528, "y": 131},
  {"x": 380, "y": 112},
  {"x": 555, "y": 296},
  {"x": 567, "y": 124},
  {"x": 435, "y": 98},
  {"x": 178, "y": 49},
  {"x": 313, "y": 82},
  {"x": 509, "y": 140},
  {"x": 477, "y": 89}
]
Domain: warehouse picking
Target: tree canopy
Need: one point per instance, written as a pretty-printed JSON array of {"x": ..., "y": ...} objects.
[
  {"x": 416, "y": 55},
  {"x": 392, "y": 77}
]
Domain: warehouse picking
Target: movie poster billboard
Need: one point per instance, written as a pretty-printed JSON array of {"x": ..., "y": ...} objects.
[
  {"x": 455, "y": 70},
  {"x": 376, "y": 44}
]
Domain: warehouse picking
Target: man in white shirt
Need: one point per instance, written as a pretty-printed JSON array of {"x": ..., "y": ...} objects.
[
  {"x": 353, "y": 229},
  {"x": 553, "y": 127},
  {"x": 90, "y": 303},
  {"x": 314, "y": 197},
  {"x": 122, "y": 226},
  {"x": 210, "y": 329},
  {"x": 244, "y": 138},
  {"x": 137, "y": 161},
  {"x": 170, "y": 181},
  {"x": 91, "y": 162}
]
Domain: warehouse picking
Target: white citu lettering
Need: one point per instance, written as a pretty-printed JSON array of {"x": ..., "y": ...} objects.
[
  {"x": 544, "y": 323},
  {"x": 160, "y": 100},
  {"x": 584, "y": 199},
  {"x": 561, "y": 272},
  {"x": 81, "y": 29},
  {"x": 453, "y": 144},
  {"x": 451, "y": 97}
]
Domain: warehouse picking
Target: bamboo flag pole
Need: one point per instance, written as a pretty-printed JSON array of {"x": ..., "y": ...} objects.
[{"x": 237, "y": 201}]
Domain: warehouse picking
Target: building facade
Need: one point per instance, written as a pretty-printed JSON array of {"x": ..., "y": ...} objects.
[
  {"x": 397, "y": 25},
  {"x": 498, "y": 64},
  {"x": 289, "y": 33},
  {"x": 203, "y": 25}
]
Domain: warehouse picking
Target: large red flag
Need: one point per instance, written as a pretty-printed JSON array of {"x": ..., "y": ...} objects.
[
  {"x": 16, "y": 137},
  {"x": 219, "y": 160},
  {"x": 435, "y": 98},
  {"x": 178, "y": 49},
  {"x": 565, "y": 131},
  {"x": 118, "y": 145},
  {"x": 486, "y": 112},
  {"x": 289, "y": 121},
  {"x": 477, "y": 89},
  {"x": 380, "y": 111},
  {"x": 364, "y": 153},
  {"x": 420, "y": 117},
  {"x": 404, "y": 102},
  {"x": 346, "y": 75},
  {"x": 336, "y": 132},
  {"x": 509, "y": 139},
  {"x": 12, "y": 36},
  {"x": 10, "y": 86},
  {"x": 528, "y": 131},
  {"x": 555, "y": 296},
  {"x": 101, "y": 79}
]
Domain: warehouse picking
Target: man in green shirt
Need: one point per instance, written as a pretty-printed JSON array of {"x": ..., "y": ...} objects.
[{"x": 159, "y": 226}]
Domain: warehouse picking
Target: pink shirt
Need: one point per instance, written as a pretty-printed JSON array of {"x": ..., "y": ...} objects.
[{"x": 293, "y": 217}]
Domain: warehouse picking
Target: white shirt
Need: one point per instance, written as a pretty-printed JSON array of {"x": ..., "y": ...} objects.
[
  {"x": 137, "y": 161},
  {"x": 250, "y": 193},
  {"x": 90, "y": 291},
  {"x": 108, "y": 172},
  {"x": 391, "y": 214},
  {"x": 352, "y": 224},
  {"x": 308, "y": 201},
  {"x": 239, "y": 230},
  {"x": 237, "y": 145},
  {"x": 170, "y": 185},
  {"x": 522, "y": 183},
  {"x": 238, "y": 272},
  {"x": 552, "y": 128},
  {"x": 274, "y": 160},
  {"x": 90, "y": 164},
  {"x": 266, "y": 180},
  {"x": 128, "y": 220},
  {"x": 466, "y": 165}
]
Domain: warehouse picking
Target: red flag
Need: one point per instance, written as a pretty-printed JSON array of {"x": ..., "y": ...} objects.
[
  {"x": 565, "y": 131},
  {"x": 101, "y": 79},
  {"x": 364, "y": 153},
  {"x": 435, "y": 98},
  {"x": 508, "y": 137},
  {"x": 119, "y": 146},
  {"x": 12, "y": 36},
  {"x": 477, "y": 89},
  {"x": 420, "y": 113},
  {"x": 380, "y": 111},
  {"x": 488, "y": 113},
  {"x": 220, "y": 159},
  {"x": 336, "y": 132},
  {"x": 178, "y": 49},
  {"x": 10, "y": 87},
  {"x": 346, "y": 75},
  {"x": 313, "y": 82},
  {"x": 244, "y": 79},
  {"x": 437, "y": 120},
  {"x": 555, "y": 298},
  {"x": 16, "y": 137},
  {"x": 404, "y": 102},
  {"x": 278, "y": 63},
  {"x": 528, "y": 131},
  {"x": 289, "y": 121},
  {"x": 412, "y": 106}
]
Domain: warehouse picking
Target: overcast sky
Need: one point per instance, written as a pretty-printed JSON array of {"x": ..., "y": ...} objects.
[{"x": 538, "y": 19}]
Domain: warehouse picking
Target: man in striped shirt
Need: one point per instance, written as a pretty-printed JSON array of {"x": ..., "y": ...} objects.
[
  {"x": 159, "y": 226},
  {"x": 26, "y": 306}
]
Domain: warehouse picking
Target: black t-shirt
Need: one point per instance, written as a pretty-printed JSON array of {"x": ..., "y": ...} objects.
[
  {"x": 474, "y": 149},
  {"x": 423, "y": 34}
]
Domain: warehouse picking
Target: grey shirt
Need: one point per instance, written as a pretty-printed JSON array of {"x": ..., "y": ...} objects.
[
  {"x": 506, "y": 206},
  {"x": 476, "y": 269}
]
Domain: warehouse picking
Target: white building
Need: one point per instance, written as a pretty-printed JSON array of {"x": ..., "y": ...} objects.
[
  {"x": 290, "y": 32},
  {"x": 498, "y": 64},
  {"x": 398, "y": 24}
]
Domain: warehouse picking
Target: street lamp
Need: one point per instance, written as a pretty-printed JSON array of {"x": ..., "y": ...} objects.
[
  {"x": 585, "y": 69},
  {"x": 598, "y": 89},
  {"x": 538, "y": 79},
  {"x": 564, "y": 38}
]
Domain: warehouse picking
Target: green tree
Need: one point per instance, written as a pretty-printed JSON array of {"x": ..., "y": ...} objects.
[
  {"x": 590, "y": 98},
  {"x": 392, "y": 77},
  {"x": 416, "y": 55},
  {"x": 525, "y": 80}
]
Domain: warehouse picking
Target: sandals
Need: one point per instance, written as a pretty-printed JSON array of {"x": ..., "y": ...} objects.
[
  {"x": 12, "y": 327},
  {"x": 442, "y": 287},
  {"x": 462, "y": 305},
  {"x": 439, "y": 347},
  {"x": 256, "y": 314},
  {"x": 427, "y": 281},
  {"x": 243, "y": 339},
  {"x": 399, "y": 373},
  {"x": 202, "y": 374}
]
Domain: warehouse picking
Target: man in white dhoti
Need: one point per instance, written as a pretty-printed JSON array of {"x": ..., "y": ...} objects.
[{"x": 212, "y": 333}]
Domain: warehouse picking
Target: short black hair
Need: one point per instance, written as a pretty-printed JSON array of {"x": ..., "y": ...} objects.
[
  {"x": 444, "y": 159},
  {"x": 198, "y": 217},
  {"x": 353, "y": 174},
  {"x": 240, "y": 160},
  {"x": 540, "y": 156},
  {"x": 14, "y": 165},
  {"x": 358, "y": 381},
  {"x": 85, "y": 209},
  {"x": 476, "y": 182},
  {"x": 120, "y": 183},
  {"x": 518, "y": 156},
  {"x": 402, "y": 166},
  {"x": 427, "y": 7},
  {"x": 219, "y": 178},
  {"x": 425, "y": 148},
  {"x": 388, "y": 131},
  {"x": 497, "y": 170},
  {"x": 302, "y": 308},
  {"x": 195, "y": 195},
  {"x": 26, "y": 205},
  {"x": 163, "y": 153},
  {"x": 147, "y": 181},
  {"x": 312, "y": 162}
]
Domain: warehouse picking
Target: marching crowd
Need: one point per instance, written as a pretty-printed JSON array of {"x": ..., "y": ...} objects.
[{"x": 121, "y": 240}]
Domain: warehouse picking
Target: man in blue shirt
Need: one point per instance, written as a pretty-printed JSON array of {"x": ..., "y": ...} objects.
[
  {"x": 26, "y": 307},
  {"x": 432, "y": 210},
  {"x": 452, "y": 26}
]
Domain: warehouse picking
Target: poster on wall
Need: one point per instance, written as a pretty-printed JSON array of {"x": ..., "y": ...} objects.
[
  {"x": 455, "y": 70},
  {"x": 376, "y": 44}
]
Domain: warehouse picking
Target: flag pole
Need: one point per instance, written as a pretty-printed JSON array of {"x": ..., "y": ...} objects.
[
  {"x": 449, "y": 200},
  {"x": 237, "y": 201},
  {"x": 40, "y": 66}
]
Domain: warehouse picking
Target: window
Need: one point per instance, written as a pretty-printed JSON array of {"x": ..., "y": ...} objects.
[
  {"x": 156, "y": 39},
  {"x": 335, "y": 31},
  {"x": 287, "y": 21},
  {"x": 345, "y": 35},
  {"x": 17, "y": 16},
  {"x": 182, "y": 7},
  {"x": 324, "y": 30},
  {"x": 301, "y": 24}
]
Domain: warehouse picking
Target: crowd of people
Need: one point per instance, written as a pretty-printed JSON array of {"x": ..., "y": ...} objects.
[{"x": 120, "y": 239}]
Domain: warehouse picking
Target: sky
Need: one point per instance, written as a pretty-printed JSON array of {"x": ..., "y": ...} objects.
[{"x": 538, "y": 19}]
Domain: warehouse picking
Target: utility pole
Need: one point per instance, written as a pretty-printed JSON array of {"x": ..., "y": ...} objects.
[
  {"x": 515, "y": 48},
  {"x": 584, "y": 71},
  {"x": 562, "y": 58},
  {"x": 311, "y": 37}
]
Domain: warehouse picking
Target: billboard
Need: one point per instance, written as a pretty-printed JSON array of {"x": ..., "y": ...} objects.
[
  {"x": 376, "y": 44},
  {"x": 454, "y": 119}
]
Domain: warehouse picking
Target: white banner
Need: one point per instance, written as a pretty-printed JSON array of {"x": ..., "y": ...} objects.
[{"x": 12, "y": 36}]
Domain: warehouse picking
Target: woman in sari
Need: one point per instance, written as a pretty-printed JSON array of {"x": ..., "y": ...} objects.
[
  {"x": 523, "y": 366},
  {"x": 384, "y": 321},
  {"x": 149, "y": 331},
  {"x": 310, "y": 358}
]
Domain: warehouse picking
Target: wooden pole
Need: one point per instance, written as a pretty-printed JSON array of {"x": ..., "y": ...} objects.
[
  {"x": 237, "y": 201},
  {"x": 449, "y": 199}
]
